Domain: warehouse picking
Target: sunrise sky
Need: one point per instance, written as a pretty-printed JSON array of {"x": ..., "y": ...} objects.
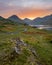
[{"x": 25, "y": 8}]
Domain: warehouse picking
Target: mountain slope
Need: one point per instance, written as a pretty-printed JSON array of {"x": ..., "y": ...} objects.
[
  {"x": 16, "y": 19},
  {"x": 1, "y": 18},
  {"x": 4, "y": 21},
  {"x": 47, "y": 20},
  {"x": 27, "y": 21}
]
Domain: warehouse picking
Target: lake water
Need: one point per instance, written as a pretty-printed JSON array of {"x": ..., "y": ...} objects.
[{"x": 46, "y": 27}]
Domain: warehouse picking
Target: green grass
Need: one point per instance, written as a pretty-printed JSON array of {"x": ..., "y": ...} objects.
[{"x": 40, "y": 40}]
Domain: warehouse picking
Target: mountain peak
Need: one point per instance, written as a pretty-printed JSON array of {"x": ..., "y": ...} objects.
[
  {"x": 27, "y": 19},
  {"x": 14, "y": 16},
  {"x": 15, "y": 19},
  {"x": 1, "y": 17}
]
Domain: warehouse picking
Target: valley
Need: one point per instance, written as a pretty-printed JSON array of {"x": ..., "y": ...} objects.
[
  {"x": 21, "y": 44},
  {"x": 38, "y": 40}
]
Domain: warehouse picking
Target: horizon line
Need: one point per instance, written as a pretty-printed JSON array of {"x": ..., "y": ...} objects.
[{"x": 27, "y": 17}]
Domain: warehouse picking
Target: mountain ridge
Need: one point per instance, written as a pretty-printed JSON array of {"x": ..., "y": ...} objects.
[{"x": 46, "y": 20}]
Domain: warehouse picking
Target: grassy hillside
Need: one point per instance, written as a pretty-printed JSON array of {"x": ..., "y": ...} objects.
[{"x": 39, "y": 40}]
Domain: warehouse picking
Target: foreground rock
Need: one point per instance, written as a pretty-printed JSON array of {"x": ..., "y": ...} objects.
[{"x": 20, "y": 46}]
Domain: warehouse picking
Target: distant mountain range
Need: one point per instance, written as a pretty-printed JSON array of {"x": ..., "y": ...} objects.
[
  {"x": 47, "y": 20},
  {"x": 11, "y": 20}
]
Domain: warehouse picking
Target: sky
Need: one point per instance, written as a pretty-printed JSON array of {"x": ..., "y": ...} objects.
[{"x": 25, "y": 8}]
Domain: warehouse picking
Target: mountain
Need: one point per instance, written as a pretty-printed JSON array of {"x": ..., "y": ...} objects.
[
  {"x": 47, "y": 20},
  {"x": 27, "y": 21},
  {"x": 1, "y": 18},
  {"x": 16, "y": 19},
  {"x": 37, "y": 21},
  {"x": 4, "y": 21},
  {"x": 11, "y": 20}
]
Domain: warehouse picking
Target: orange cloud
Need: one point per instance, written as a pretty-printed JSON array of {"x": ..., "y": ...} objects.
[
  {"x": 28, "y": 13},
  {"x": 25, "y": 8}
]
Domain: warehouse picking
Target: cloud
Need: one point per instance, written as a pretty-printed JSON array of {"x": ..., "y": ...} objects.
[{"x": 25, "y": 7}]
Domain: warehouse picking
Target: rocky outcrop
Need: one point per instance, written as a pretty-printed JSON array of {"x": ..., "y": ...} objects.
[
  {"x": 19, "y": 44},
  {"x": 19, "y": 47}
]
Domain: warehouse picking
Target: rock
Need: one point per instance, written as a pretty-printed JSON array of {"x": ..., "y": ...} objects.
[{"x": 17, "y": 50}]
